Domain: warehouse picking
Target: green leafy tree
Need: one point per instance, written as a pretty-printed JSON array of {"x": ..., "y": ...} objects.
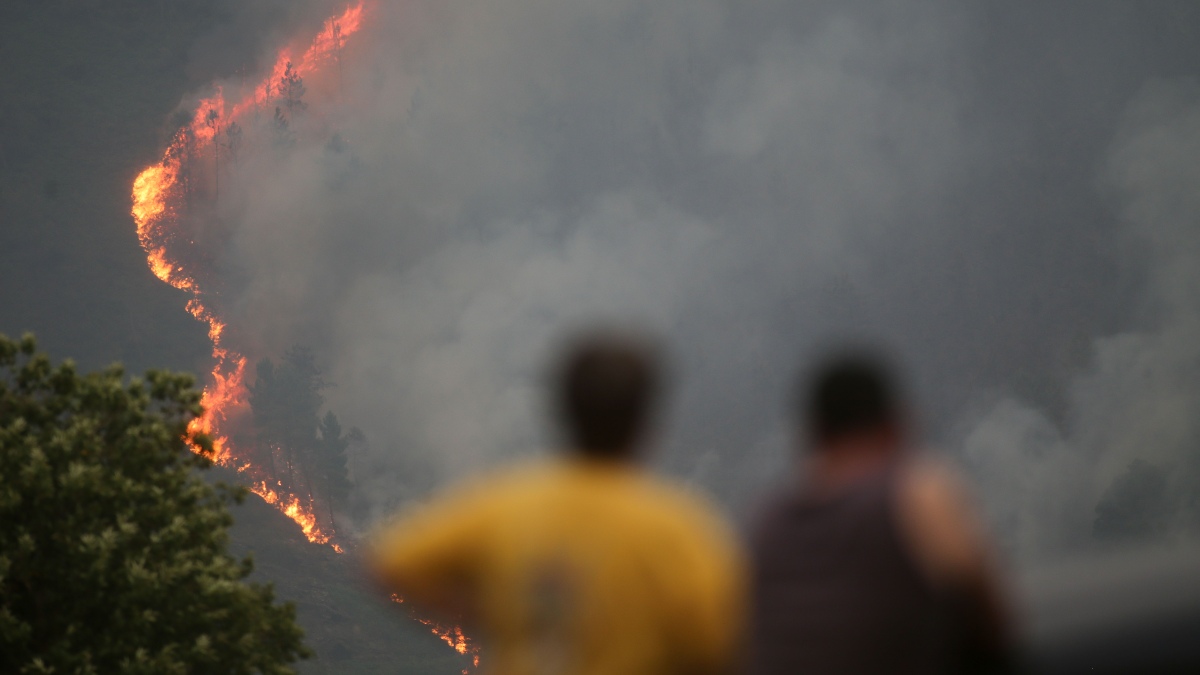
[{"x": 112, "y": 548}]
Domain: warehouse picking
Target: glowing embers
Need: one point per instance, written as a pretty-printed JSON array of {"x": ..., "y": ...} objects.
[
  {"x": 451, "y": 635},
  {"x": 291, "y": 507},
  {"x": 226, "y": 393}
]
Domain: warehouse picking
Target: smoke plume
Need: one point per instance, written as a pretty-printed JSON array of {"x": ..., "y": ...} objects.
[
  {"x": 1135, "y": 405},
  {"x": 980, "y": 187}
]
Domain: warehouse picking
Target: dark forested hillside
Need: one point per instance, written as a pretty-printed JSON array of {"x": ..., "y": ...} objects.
[{"x": 351, "y": 627}]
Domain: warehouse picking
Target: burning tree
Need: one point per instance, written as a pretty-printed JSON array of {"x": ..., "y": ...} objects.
[
  {"x": 180, "y": 153},
  {"x": 112, "y": 549},
  {"x": 212, "y": 120}
]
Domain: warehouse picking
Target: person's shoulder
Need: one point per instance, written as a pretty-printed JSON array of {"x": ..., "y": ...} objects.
[
  {"x": 775, "y": 503},
  {"x": 939, "y": 519},
  {"x": 682, "y": 508},
  {"x": 929, "y": 482},
  {"x": 521, "y": 473},
  {"x": 514, "y": 482},
  {"x": 676, "y": 498},
  {"x": 485, "y": 490}
]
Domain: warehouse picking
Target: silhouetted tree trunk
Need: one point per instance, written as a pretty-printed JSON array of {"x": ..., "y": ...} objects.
[{"x": 211, "y": 121}]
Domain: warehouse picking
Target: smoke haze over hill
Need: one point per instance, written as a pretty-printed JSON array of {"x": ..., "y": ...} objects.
[{"x": 1003, "y": 195}]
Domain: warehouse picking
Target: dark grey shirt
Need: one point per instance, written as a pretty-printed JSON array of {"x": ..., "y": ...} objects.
[{"x": 836, "y": 591}]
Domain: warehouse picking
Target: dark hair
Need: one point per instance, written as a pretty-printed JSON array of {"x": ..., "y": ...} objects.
[
  {"x": 606, "y": 388},
  {"x": 849, "y": 393}
]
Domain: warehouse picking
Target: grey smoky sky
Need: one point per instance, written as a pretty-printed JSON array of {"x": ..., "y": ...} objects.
[{"x": 1004, "y": 194}]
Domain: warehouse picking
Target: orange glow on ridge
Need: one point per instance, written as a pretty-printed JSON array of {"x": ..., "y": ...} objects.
[
  {"x": 451, "y": 635},
  {"x": 160, "y": 194}
]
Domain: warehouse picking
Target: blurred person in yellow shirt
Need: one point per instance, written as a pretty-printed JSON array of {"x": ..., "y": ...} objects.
[{"x": 584, "y": 563}]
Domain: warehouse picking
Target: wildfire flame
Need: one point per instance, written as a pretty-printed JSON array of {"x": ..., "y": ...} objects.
[
  {"x": 159, "y": 195},
  {"x": 451, "y": 635}
]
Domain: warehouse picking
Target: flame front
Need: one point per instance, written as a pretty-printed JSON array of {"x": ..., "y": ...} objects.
[
  {"x": 151, "y": 193},
  {"x": 291, "y": 507},
  {"x": 161, "y": 194},
  {"x": 451, "y": 635}
]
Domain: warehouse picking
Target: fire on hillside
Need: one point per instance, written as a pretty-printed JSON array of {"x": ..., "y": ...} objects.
[{"x": 161, "y": 195}]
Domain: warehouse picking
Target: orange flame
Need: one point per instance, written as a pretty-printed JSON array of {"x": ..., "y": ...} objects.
[
  {"x": 157, "y": 194},
  {"x": 291, "y": 507},
  {"x": 329, "y": 42},
  {"x": 451, "y": 635},
  {"x": 151, "y": 191}
]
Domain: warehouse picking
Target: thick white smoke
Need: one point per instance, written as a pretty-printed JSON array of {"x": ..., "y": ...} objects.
[
  {"x": 1140, "y": 397},
  {"x": 502, "y": 173},
  {"x": 747, "y": 178}
]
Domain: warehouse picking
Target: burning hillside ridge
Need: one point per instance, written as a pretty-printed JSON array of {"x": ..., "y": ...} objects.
[
  {"x": 174, "y": 208},
  {"x": 451, "y": 635},
  {"x": 265, "y": 427}
]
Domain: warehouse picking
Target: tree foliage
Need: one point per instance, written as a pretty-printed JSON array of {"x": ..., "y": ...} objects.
[
  {"x": 112, "y": 548},
  {"x": 291, "y": 91},
  {"x": 289, "y": 103},
  {"x": 285, "y": 399}
]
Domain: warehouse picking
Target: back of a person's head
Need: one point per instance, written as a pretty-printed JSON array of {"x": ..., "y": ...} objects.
[
  {"x": 605, "y": 389},
  {"x": 849, "y": 394}
]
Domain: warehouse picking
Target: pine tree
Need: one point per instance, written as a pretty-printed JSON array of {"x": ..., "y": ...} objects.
[
  {"x": 211, "y": 121},
  {"x": 331, "y": 463},
  {"x": 233, "y": 140},
  {"x": 285, "y": 400},
  {"x": 291, "y": 91}
]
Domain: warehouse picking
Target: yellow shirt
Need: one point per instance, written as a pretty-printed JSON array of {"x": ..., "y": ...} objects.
[{"x": 579, "y": 567}]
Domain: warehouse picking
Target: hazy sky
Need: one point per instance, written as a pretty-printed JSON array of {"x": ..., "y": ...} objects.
[{"x": 1004, "y": 194}]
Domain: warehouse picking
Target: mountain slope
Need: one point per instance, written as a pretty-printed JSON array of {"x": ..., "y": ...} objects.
[{"x": 352, "y": 626}]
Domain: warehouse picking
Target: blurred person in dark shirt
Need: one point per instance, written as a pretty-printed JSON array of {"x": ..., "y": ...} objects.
[
  {"x": 872, "y": 559},
  {"x": 583, "y": 563}
]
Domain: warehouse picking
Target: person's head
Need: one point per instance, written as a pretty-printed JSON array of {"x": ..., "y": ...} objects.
[
  {"x": 606, "y": 389},
  {"x": 851, "y": 399}
]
